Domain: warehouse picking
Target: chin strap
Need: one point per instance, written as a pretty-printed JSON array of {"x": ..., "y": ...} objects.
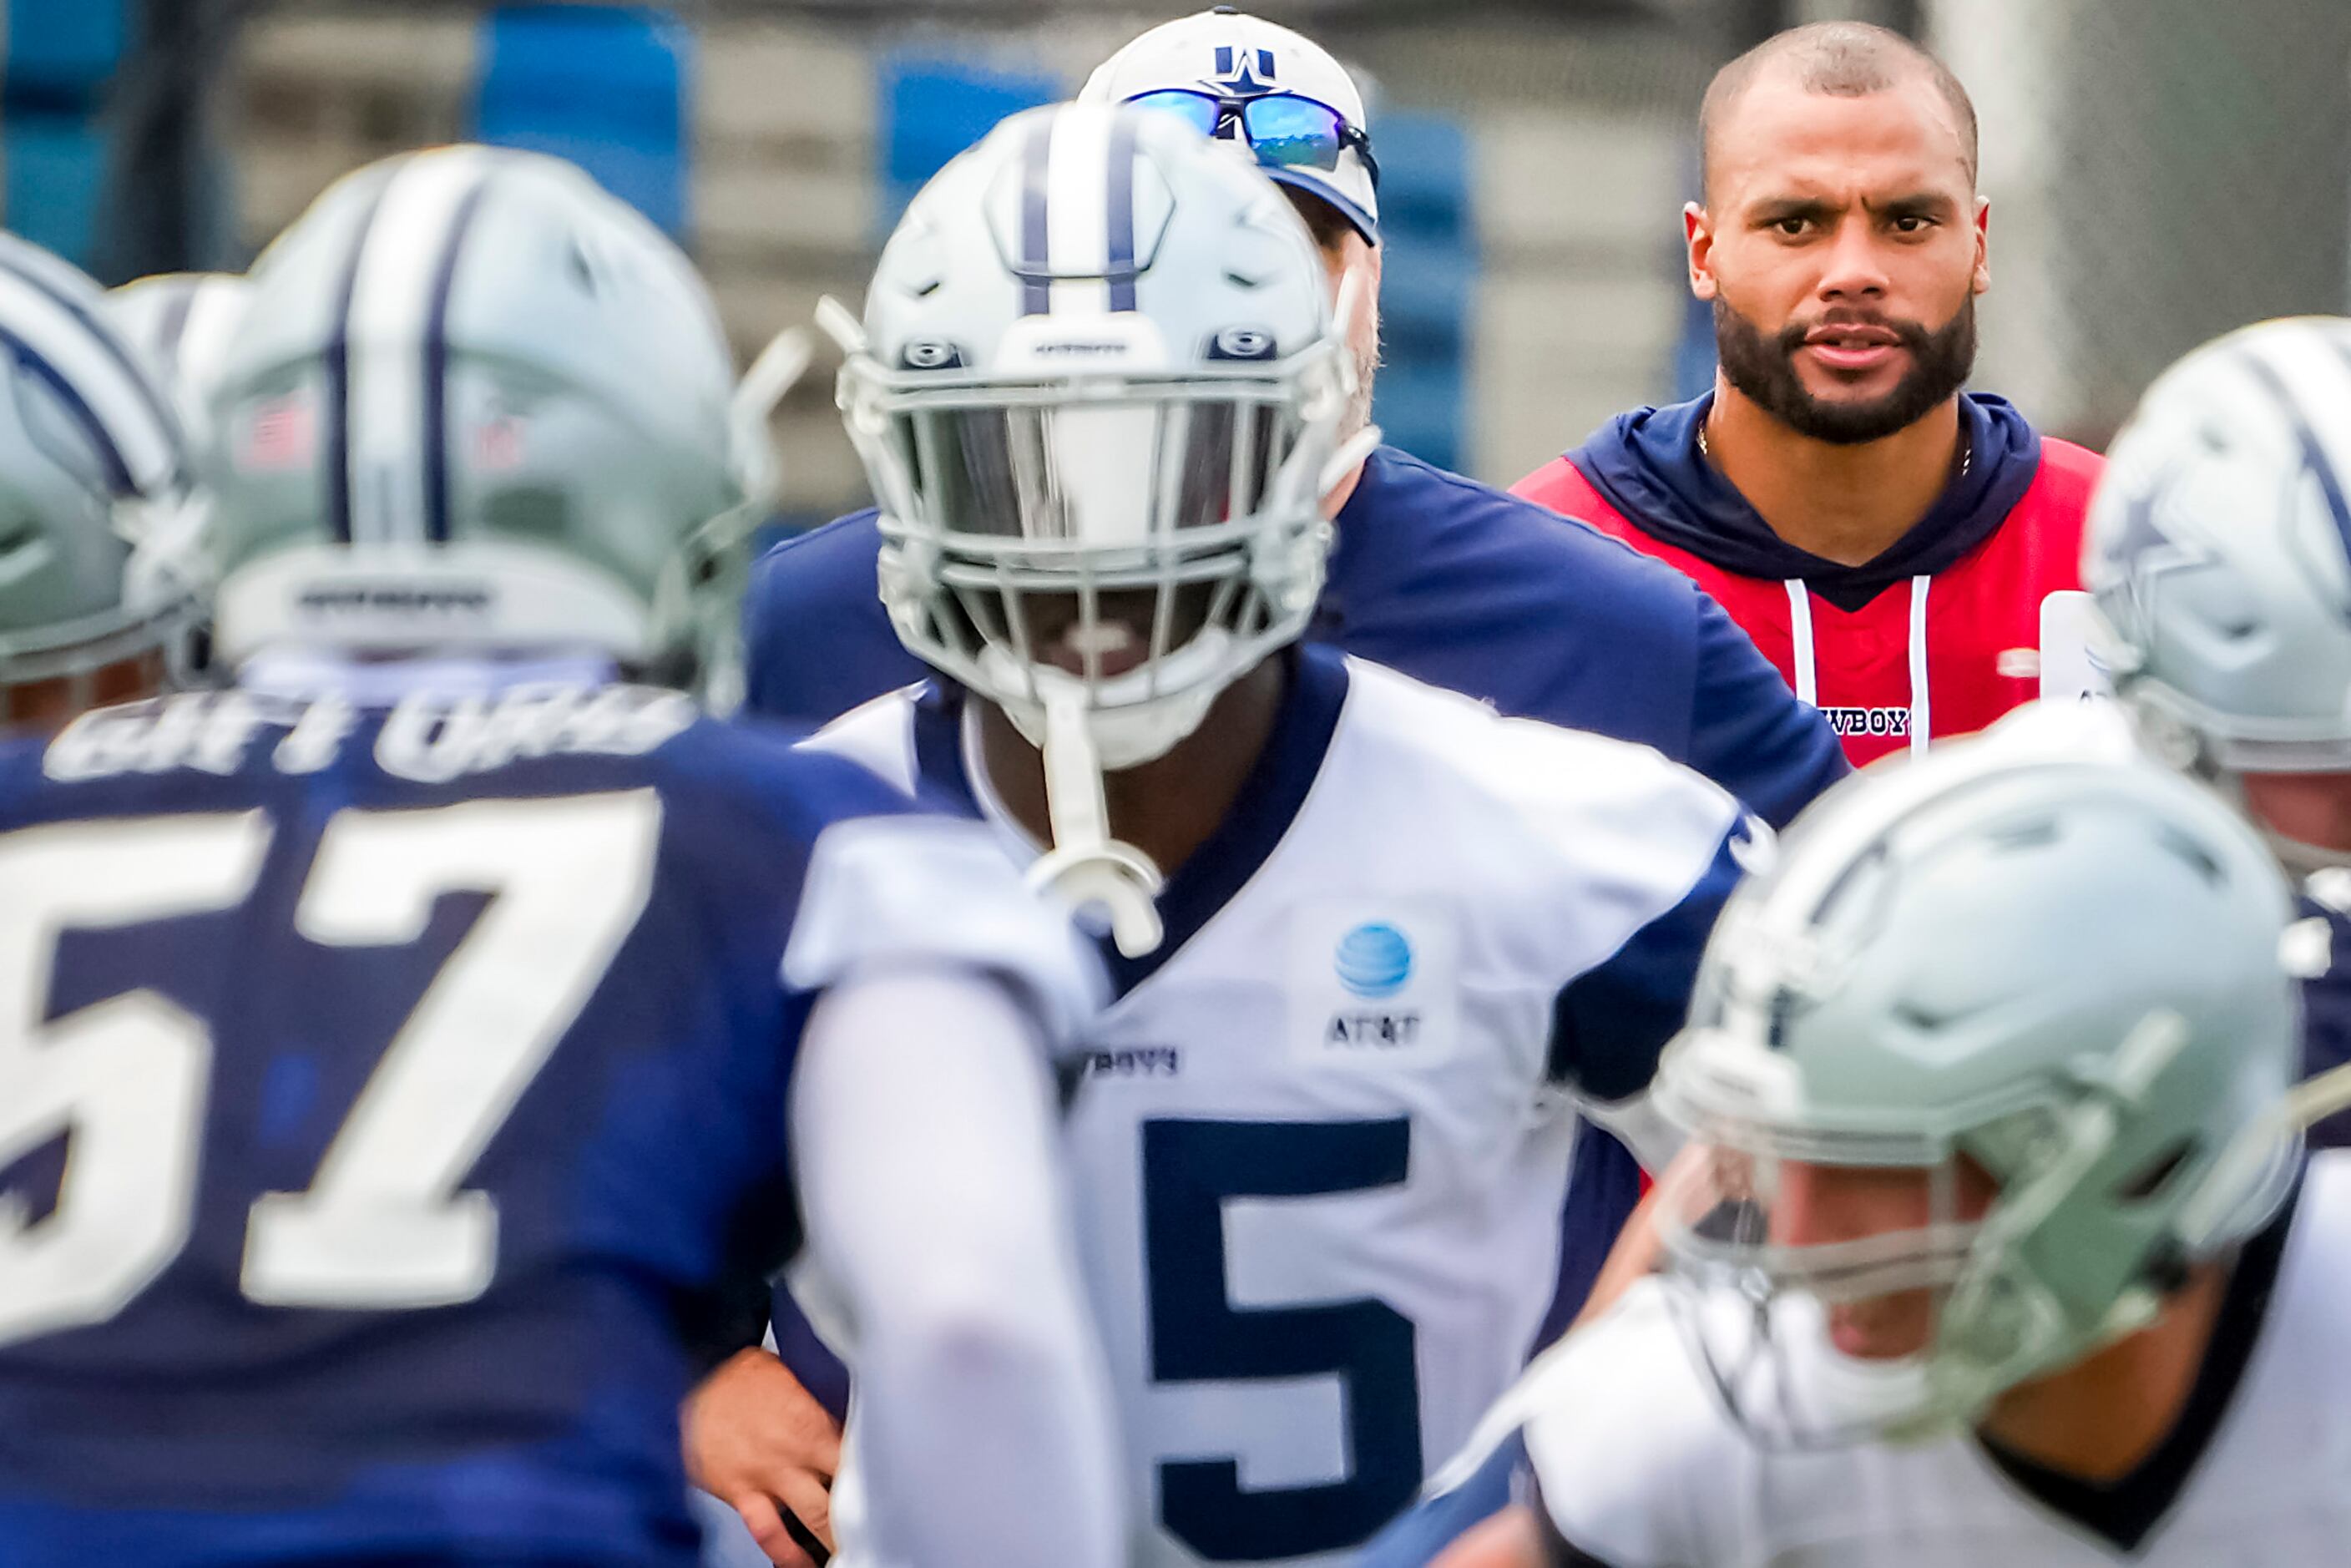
[{"x": 1086, "y": 865}]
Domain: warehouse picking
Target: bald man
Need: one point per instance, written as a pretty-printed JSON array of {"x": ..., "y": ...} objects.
[{"x": 1886, "y": 538}]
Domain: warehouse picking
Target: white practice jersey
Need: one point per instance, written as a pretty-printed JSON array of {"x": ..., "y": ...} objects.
[
  {"x": 1321, "y": 1142},
  {"x": 1639, "y": 1468}
]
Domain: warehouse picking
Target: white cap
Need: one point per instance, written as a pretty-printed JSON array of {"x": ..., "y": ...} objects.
[{"x": 1235, "y": 55}]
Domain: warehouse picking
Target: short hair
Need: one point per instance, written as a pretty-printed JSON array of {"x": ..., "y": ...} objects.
[
  {"x": 1842, "y": 59},
  {"x": 1324, "y": 221}
]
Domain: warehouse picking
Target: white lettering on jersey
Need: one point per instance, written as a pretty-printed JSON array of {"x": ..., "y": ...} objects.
[
  {"x": 386, "y": 1221},
  {"x": 431, "y": 737},
  {"x": 204, "y": 730}
]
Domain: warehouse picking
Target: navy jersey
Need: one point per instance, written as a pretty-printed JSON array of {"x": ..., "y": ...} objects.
[
  {"x": 382, "y": 1100},
  {"x": 2326, "y": 1006}
]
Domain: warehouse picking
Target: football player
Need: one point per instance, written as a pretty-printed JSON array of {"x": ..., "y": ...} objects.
[
  {"x": 434, "y": 1022},
  {"x": 1996, "y": 1241},
  {"x": 1431, "y": 573},
  {"x": 1373, "y": 945},
  {"x": 2220, "y": 552},
  {"x": 91, "y": 460}
]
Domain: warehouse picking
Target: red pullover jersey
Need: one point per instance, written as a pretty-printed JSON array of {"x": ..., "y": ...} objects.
[{"x": 1940, "y": 655}]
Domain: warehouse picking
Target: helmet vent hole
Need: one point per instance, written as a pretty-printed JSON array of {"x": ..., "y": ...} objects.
[
  {"x": 16, "y": 533},
  {"x": 530, "y": 509},
  {"x": 2151, "y": 1179},
  {"x": 583, "y": 271},
  {"x": 2037, "y": 834},
  {"x": 1917, "y": 1015},
  {"x": 2194, "y": 855}
]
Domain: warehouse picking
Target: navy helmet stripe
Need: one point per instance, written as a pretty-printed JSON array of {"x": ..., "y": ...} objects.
[
  {"x": 109, "y": 457},
  {"x": 338, "y": 363},
  {"x": 2314, "y": 453},
  {"x": 436, "y": 371},
  {"x": 1121, "y": 213},
  {"x": 2341, "y": 343},
  {"x": 173, "y": 328},
  {"x": 142, "y": 385},
  {"x": 1036, "y": 241}
]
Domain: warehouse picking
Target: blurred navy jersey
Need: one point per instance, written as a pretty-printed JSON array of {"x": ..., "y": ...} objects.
[
  {"x": 382, "y": 1100},
  {"x": 2326, "y": 1000},
  {"x": 1452, "y": 583}
]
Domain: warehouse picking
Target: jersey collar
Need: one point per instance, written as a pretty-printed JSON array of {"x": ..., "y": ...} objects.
[
  {"x": 1268, "y": 802},
  {"x": 2126, "y": 1511}
]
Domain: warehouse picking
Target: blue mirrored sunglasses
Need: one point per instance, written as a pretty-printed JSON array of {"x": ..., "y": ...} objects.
[{"x": 1284, "y": 130}]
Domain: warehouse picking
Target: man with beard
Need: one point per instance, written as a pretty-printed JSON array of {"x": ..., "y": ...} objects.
[{"x": 1887, "y": 539}]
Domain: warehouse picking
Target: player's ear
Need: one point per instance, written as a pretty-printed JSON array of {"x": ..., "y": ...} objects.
[
  {"x": 1982, "y": 279},
  {"x": 1698, "y": 235}
]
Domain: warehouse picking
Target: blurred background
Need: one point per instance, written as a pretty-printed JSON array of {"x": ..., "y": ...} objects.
[{"x": 2159, "y": 169}]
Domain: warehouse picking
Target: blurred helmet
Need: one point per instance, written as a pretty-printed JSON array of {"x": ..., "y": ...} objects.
[
  {"x": 182, "y": 324},
  {"x": 91, "y": 462},
  {"x": 476, "y": 404},
  {"x": 2219, "y": 548},
  {"x": 2035, "y": 957},
  {"x": 1098, "y": 389},
  {"x": 1258, "y": 82}
]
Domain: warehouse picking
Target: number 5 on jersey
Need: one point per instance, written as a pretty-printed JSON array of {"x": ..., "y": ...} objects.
[{"x": 383, "y": 1224}]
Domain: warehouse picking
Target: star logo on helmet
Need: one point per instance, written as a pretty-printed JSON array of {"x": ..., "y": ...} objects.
[{"x": 2144, "y": 550}]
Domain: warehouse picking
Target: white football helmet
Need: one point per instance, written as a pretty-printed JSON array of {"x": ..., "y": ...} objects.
[
  {"x": 2034, "y": 961},
  {"x": 2219, "y": 548},
  {"x": 475, "y": 404},
  {"x": 1098, "y": 391}
]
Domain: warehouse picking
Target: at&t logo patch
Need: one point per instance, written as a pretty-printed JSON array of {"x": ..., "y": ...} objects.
[
  {"x": 1375, "y": 961},
  {"x": 1372, "y": 986}
]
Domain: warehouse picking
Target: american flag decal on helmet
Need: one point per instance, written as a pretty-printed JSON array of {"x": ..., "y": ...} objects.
[{"x": 280, "y": 433}]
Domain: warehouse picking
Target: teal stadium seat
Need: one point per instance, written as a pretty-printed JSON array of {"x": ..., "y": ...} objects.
[
  {"x": 604, "y": 86},
  {"x": 1428, "y": 286},
  {"x": 932, "y": 107},
  {"x": 62, "y": 54}
]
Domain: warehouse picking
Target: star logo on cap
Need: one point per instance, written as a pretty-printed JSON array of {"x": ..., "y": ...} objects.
[{"x": 1244, "y": 73}]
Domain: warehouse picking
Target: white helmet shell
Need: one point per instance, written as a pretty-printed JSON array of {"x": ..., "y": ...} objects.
[
  {"x": 2035, "y": 951},
  {"x": 476, "y": 404},
  {"x": 1099, "y": 359},
  {"x": 2219, "y": 548}
]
